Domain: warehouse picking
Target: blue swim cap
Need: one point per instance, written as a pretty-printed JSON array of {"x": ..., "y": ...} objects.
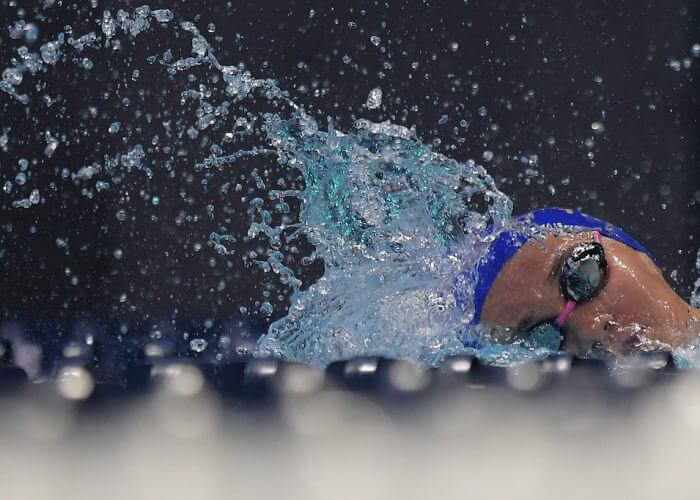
[{"x": 507, "y": 244}]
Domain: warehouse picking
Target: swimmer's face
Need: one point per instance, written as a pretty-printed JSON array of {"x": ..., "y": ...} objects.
[{"x": 636, "y": 309}]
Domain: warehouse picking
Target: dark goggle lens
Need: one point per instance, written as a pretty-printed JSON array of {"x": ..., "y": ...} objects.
[
  {"x": 544, "y": 336},
  {"x": 584, "y": 272}
]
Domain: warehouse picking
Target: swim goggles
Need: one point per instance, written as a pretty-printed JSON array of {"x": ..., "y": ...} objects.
[{"x": 583, "y": 275}]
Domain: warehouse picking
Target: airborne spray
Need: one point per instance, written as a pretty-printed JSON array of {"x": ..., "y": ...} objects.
[{"x": 390, "y": 221}]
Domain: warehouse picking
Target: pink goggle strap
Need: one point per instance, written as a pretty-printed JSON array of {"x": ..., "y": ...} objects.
[
  {"x": 561, "y": 319},
  {"x": 569, "y": 307}
]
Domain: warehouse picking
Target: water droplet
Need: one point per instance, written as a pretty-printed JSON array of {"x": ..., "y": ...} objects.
[
  {"x": 49, "y": 53},
  {"x": 483, "y": 111},
  {"x": 31, "y": 33},
  {"x": 206, "y": 121},
  {"x": 162, "y": 15},
  {"x": 374, "y": 98},
  {"x": 375, "y": 40},
  {"x": 13, "y": 76},
  {"x": 266, "y": 308},
  {"x": 598, "y": 127},
  {"x": 109, "y": 26},
  {"x": 199, "y": 46},
  {"x": 34, "y": 197},
  {"x": 121, "y": 215},
  {"x": 51, "y": 147},
  {"x": 198, "y": 345},
  {"x": 308, "y": 128}
]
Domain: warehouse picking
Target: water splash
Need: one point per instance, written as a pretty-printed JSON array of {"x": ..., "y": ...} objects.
[
  {"x": 695, "y": 297},
  {"x": 392, "y": 221}
]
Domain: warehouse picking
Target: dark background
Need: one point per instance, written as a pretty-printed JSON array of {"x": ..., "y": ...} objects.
[{"x": 544, "y": 72}]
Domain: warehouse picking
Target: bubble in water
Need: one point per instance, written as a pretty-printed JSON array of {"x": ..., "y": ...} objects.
[
  {"x": 121, "y": 215},
  {"x": 483, "y": 111},
  {"x": 114, "y": 127},
  {"x": 375, "y": 40},
  {"x": 374, "y": 98}
]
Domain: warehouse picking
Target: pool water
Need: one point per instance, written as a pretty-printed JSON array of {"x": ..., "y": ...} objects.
[{"x": 392, "y": 222}]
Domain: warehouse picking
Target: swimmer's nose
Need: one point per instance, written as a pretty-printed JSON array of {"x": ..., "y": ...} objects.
[{"x": 582, "y": 332}]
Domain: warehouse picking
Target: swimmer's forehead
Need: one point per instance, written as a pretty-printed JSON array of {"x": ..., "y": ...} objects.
[{"x": 551, "y": 247}]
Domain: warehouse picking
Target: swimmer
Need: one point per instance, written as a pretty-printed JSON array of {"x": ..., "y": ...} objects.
[{"x": 583, "y": 285}]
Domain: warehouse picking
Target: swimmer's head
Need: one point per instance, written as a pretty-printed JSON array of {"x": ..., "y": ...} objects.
[{"x": 625, "y": 304}]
